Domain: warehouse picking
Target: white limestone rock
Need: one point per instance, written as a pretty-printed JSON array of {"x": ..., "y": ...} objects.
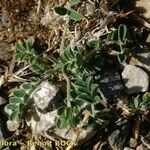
[
  {"x": 42, "y": 108},
  {"x": 136, "y": 80},
  {"x": 40, "y": 122},
  {"x": 45, "y": 96}
]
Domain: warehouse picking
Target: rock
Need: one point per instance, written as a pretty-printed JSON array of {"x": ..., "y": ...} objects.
[
  {"x": 119, "y": 134},
  {"x": 135, "y": 79},
  {"x": 141, "y": 147},
  {"x": 90, "y": 9},
  {"x": 46, "y": 97},
  {"x": 144, "y": 58},
  {"x": 42, "y": 112},
  {"x": 40, "y": 122},
  {"x": 42, "y": 109},
  {"x": 110, "y": 83},
  {"x": 128, "y": 148},
  {"x": 142, "y": 8},
  {"x": 141, "y": 59}
]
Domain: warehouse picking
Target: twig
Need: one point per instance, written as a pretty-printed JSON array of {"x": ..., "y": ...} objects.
[
  {"x": 12, "y": 65},
  {"x": 63, "y": 3},
  {"x": 49, "y": 40},
  {"x": 38, "y": 7},
  {"x": 15, "y": 78},
  {"x": 86, "y": 117},
  {"x": 21, "y": 70}
]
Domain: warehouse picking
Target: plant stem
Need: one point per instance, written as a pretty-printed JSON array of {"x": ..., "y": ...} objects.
[
  {"x": 68, "y": 89},
  {"x": 62, "y": 46}
]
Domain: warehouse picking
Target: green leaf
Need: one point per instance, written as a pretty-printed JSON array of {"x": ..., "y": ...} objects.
[
  {"x": 76, "y": 110},
  {"x": 94, "y": 88},
  {"x": 61, "y": 110},
  {"x": 64, "y": 67},
  {"x": 15, "y": 100},
  {"x": 74, "y": 2},
  {"x": 26, "y": 98},
  {"x": 83, "y": 89},
  {"x": 72, "y": 53},
  {"x": 88, "y": 81},
  {"x": 38, "y": 66},
  {"x": 74, "y": 15},
  {"x": 20, "y": 56},
  {"x": 122, "y": 58},
  {"x": 72, "y": 66},
  {"x": 58, "y": 124},
  {"x": 13, "y": 116},
  {"x": 122, "y": 33},
  {"x": 12, "y": 106},
  {"x": 136, "y": 102},
  {"x": 85, "y": 96},
  {"x": 72, "y": 120},
  {"x": 97, "y": 98},
  {"x": 110, "y": 36},
  {"x": 146, "y": 97},
  {"x": 97, "y": 106},
  {"x": 19, "y": 93},
  {"x": 61, "y": 10},
  {"x": 21, "y": 107},
  {"x": 28, "y": 46},
  {"x": 34, "y": 79},
  {"x": 62, "y": 123},
  {"x": 66, "y": 55},
  {"x": 80, "y": 82},
  {"x": 73, "y": 94},
  {"x": 80, "y": 59},
  {"x": 68, "y": 112},
  {"x": 27, "y": 86},
  {"x": 20, "y": 46},
  {"x": 94, "y": 44}
]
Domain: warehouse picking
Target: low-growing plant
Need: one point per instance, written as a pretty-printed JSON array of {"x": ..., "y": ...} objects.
[
  {"x": 119, "y": 37},
  {"x": 73, "y": 65},
  {"x": 139, "y": 104},
  {"x": 80, "y": 91}
]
